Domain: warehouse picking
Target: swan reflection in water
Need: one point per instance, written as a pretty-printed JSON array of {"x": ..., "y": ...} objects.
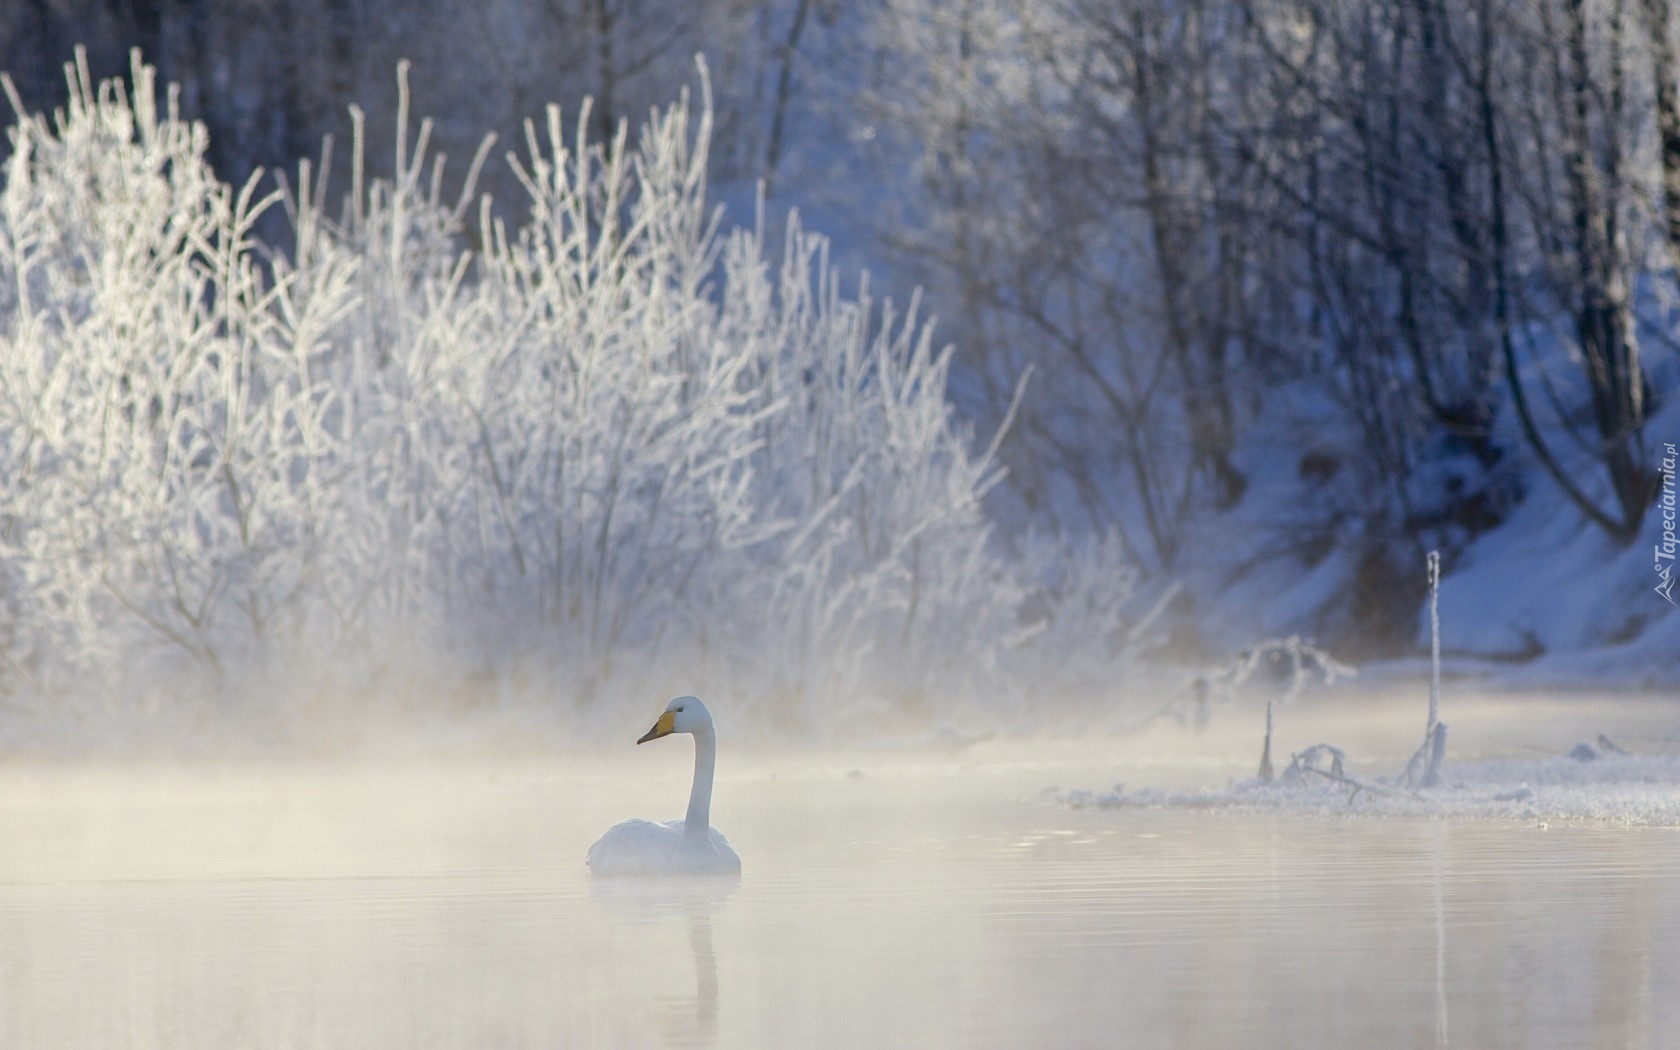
[{"x": 655, "y": 906}]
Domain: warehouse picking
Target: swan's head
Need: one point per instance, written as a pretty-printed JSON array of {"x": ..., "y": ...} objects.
[{"x": 685, "y": 714}]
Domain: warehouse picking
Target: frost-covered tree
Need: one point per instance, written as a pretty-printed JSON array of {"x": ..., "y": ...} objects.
[{"x": 1420, "y": 246}]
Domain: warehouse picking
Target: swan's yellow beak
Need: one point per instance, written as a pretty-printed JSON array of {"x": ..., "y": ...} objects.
[{"x": 664, "y": 727}]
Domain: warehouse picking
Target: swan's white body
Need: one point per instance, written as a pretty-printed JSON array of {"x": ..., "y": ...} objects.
[{"x": 690, "y": 846}]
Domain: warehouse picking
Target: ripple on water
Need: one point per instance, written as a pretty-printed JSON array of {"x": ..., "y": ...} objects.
[{"x": 917, "y": 911}]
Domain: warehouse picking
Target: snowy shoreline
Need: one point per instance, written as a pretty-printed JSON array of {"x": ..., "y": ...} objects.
[{"x": 1635, "y": 790}]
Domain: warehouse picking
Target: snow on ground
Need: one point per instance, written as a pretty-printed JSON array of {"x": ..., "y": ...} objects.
[
  {"x": 1550, "y": 590},
  {"x": 1595, "y": 756},
  {"x": 1545, "y": 598},
  {"x": 1637, "y": 790}
]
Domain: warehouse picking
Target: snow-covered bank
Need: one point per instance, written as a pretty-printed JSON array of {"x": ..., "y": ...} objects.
[
  {"x": 1548, "y": 599},
  {"x": 1554, "y": 755},
  {"x": 1532, "y": 596},
  {"x": 1638, "y": 790}
]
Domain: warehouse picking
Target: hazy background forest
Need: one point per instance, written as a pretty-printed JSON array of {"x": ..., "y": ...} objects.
[{"x": 1261, "y": 301}]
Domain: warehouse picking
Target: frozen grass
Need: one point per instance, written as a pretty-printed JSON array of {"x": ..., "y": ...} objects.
[
  {"x": 1591, "y": 781},
  {"x": 1423, "y": 769},
  {"x": 1623, "y": 788}
]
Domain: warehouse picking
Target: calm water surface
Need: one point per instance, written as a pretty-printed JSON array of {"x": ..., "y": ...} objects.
[{"x": 906, "y": 902}]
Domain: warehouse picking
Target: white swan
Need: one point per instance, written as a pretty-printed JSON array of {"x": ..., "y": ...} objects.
[{"x": 690, "y": 846}]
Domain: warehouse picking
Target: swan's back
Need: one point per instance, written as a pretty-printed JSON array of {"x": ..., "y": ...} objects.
[{"x": 641, "y": 847}]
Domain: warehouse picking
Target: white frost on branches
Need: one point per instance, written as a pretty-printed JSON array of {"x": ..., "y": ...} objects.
[{"x": 601, "y": 444}]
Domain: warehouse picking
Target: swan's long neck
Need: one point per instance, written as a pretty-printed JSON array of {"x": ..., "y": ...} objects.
[{"x": 698, "y": 823}]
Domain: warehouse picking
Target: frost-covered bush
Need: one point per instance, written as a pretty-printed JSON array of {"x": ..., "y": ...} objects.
[
  {"x": 1080, "y": 620},
  {"x": 590, "y": 442},
  {"x": 161, "y": 402}
]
